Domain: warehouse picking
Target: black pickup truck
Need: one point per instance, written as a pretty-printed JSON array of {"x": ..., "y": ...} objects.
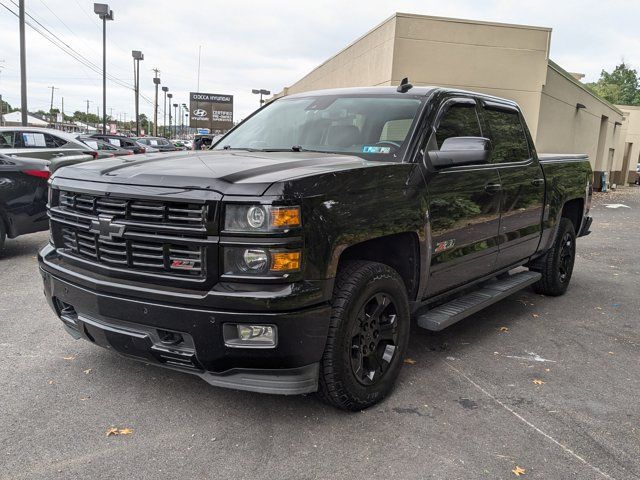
[{"x": 293, "y": 257}]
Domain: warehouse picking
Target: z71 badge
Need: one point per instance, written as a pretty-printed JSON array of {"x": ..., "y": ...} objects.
[{"x": 443, "y": 246}]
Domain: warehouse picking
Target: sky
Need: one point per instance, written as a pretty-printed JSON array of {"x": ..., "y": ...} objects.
[{"x": 249, "y": 45}]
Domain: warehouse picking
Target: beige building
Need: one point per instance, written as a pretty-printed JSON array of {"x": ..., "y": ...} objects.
[
  {"x": 629, "y": 143},
  {"x": 510, "y": 61}
]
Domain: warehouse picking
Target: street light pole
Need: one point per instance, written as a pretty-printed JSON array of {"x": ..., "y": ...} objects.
[
  {"x": 137, "y": 56},
  {"x": 164, "y": 111},
  {"x": 156, "y": 82},
  {"x": 103, "y": 11},
  {"x": 175, "y": 116},
  {"x": 261, "y": 92},
  {"x": 169, "y": 96}
]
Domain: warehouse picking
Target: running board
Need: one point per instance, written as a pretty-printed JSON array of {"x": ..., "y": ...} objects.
[{"x": 451, "y": 312}]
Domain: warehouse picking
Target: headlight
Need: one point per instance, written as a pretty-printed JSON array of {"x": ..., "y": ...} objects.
[
  {"x": 252, "y": 261},
  {"x": 261, "y": 218}
]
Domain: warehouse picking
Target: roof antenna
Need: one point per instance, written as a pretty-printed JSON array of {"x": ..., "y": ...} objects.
[{"x": 404, "y": 86}]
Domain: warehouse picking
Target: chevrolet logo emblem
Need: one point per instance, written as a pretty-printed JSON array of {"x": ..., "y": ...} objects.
[{"x": 105, "y": 227}]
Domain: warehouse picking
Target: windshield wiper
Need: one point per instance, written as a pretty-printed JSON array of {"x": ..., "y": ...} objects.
[{"x": 248, "y": 149}]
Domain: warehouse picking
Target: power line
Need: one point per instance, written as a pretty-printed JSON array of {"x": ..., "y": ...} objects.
[
  {"x": 66, "y": 48},
  {"x": 69, "y": 50}
]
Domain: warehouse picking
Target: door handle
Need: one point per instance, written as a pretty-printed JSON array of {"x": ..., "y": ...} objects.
[
  {"x": 493, "y": 187},
  {"x": 536, "y": 182},
  {"x": 58, "y": 154}
]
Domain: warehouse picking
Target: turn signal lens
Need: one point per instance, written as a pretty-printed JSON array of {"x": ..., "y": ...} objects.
[
  {"x": 285, "y": 261},
  {"x": 285, "y": 217}
]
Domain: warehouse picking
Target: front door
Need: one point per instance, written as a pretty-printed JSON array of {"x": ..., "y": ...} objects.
[
  {"x": 464, "y": 206},
  {"x": 523, "y": 183}
]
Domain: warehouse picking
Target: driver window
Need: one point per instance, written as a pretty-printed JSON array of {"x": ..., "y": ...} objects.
[{"x": 459, "y": 120}]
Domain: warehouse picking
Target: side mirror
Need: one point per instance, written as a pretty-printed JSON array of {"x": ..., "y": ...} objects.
[{"x": 457, "y": 151}]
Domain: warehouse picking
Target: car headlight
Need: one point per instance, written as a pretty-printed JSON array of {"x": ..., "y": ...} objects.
[
  {"x": 261, "y": 218},
  {"x": 258, "y": 261}
]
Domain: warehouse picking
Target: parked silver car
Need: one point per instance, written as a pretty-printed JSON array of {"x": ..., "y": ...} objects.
[{"x": 44, "y": 143}]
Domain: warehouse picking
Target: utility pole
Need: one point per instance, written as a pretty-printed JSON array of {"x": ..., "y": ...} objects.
[
  {"x": 51, "y": 107},
  {"x": 156, "y": 82},
  {"x": 86, "y": 119},
  {"x": 23, "y": 67}
]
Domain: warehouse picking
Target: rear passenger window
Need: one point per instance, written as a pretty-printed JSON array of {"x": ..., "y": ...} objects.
[
  {"x": 460, "y": 120},
  {"x": 33, "y": 140},
  {"x": 508, "y": 140},
  {"x": 53, "y": 142}
]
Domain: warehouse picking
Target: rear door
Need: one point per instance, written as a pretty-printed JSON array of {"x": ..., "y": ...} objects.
[
  {"x": 522, "y": 180},
  {"x": 464, "y": 205}
]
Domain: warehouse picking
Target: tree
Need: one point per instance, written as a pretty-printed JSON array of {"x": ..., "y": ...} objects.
[{"x": 621, "y": 86}]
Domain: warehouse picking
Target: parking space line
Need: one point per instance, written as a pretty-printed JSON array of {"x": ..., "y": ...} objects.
[{"x": 527, "y": 422}]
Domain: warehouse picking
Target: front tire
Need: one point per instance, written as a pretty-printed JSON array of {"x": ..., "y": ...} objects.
[
  {"x": 556, "y": 266},
  {"x": 368, "y": 336}
]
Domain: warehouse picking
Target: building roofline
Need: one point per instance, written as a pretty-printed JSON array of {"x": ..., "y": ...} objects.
[
  {"x": 628, "y": 107},
  {"x": 554, "y": 66},
  {"x": 473, "y": 22}
]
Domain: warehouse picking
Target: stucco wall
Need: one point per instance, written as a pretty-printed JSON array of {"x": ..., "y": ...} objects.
[
  {"x": 563, "y": 128},
  {"x": 505, "y": 60},
  {"x": 630, "y": 133}
]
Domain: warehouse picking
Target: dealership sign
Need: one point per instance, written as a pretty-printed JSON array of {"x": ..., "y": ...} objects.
[{"x": 211, "y": 111}]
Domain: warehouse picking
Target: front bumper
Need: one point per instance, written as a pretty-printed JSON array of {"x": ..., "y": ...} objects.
[{"x": 136, "y": 328}]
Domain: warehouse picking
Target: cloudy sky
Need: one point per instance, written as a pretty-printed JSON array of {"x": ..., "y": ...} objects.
[{"x": 262, "y": 44}]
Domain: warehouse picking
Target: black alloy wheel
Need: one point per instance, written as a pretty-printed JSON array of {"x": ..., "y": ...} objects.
[{"x": 374, "y": 339}]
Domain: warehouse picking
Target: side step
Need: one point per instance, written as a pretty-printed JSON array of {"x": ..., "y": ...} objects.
[{"x": 457, "y": 309}]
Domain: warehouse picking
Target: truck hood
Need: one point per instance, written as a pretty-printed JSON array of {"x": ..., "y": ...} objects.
[{"x": 227, "y": 172}]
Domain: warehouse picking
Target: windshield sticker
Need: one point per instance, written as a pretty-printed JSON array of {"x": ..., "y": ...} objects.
[{"x": 374, "y": 149}]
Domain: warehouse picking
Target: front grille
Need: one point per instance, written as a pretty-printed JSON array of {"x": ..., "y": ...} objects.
[
  {"x": 142, "y": 211},
  {"x": 174, "y": 239},
  {"x": 153, "y": 257}
]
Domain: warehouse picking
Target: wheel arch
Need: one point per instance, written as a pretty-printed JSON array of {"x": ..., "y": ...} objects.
[
  {"x": 573, "y": 210},
  {"x": 400, "y": 251}
]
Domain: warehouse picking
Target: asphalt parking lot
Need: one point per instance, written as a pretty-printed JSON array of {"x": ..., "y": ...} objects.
[{"x": 549, "y": 385}]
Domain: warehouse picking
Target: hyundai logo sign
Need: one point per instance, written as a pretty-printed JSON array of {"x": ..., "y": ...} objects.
[{"x": 200, "y": 112}]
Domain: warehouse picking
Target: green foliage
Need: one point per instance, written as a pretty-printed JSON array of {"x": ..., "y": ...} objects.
[
  {"x": 622, "y": 86},
  {"x": 5, "y": 107}
]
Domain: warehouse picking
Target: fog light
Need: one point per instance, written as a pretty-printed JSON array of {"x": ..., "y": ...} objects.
[{"x": 243, "y": 335}]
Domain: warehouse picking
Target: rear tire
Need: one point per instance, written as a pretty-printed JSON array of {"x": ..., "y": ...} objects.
[
  {"x": 556, "y": 266},
  {"x": 368, "y": 336}
]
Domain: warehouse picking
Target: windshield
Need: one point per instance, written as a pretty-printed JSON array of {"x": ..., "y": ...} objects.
[{"x": 375, "y": 126}]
